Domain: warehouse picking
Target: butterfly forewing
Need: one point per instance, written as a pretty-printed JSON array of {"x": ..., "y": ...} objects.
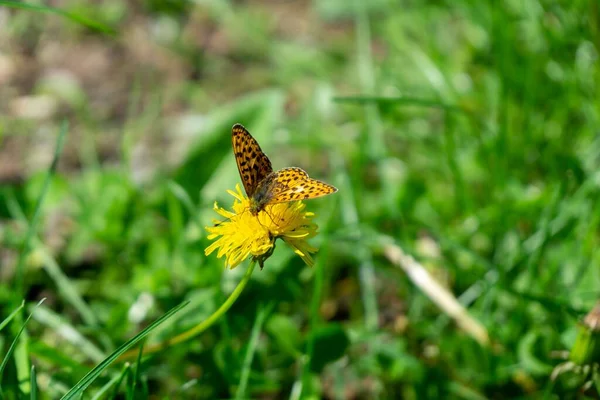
[
  {"x": 291, "y": 184},
  {"x": 253, "y": 165}
]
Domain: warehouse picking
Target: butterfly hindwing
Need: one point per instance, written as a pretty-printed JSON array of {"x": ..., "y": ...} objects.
[
  {"x": 254, "y": 166},
  {"x": 291, "y": 184}
]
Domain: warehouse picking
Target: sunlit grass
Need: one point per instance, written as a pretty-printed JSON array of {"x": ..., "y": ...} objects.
[{"x": 464, "y": 135}]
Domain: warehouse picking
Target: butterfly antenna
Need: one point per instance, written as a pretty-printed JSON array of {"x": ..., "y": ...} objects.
[
  {"x": 229, "y": 219},
  {"x": 271, "y": 218}
]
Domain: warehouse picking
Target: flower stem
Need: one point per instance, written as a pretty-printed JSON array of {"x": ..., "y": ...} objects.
[{"x": 201, "y": 327}]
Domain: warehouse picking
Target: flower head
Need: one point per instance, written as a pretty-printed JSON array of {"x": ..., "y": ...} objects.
[{"x": 243, "y": 234}]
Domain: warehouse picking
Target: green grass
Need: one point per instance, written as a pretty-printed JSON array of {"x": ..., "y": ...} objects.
[{"x": 464, "y": 133}]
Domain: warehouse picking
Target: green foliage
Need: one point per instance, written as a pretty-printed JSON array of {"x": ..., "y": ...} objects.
[
  {"x": 464, "y": 132},
  {"x": 329, "y": 344}
]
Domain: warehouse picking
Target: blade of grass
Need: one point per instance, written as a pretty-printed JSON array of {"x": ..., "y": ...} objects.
[
  {"x": 136, "y": 375},
  {"x": 89, "y": 23},
  {"x": 350, "y": 217},
  {"x": 403, "y": 100},
  {"x": 175, "y": 214},
  {"x": 124, "y": 375},
  {"x": 14, "y": 343},
  {"x": 114, "y": 380},
  {"x": 452, "y": 156},
  {"x": 68, "y": 291},
  {"x": 376, "y": 151},
  {"x": 64, "y": 285},
  {"x": 33, "y": 393},
  {"x": 540, "y": 241},
  {"x": 87, "y": 380},
  {"x": 32, "y": 228},
  {"x": 302, "y": 388},
  {"x": 21, "y": 354},
  {"x": 131, "y": 122},
  {"x": 252, "y": 344},
  {"x": 11, "y": 316},
  {"x": 366, "y": 76},
  {"x": 180, "y": 193}
]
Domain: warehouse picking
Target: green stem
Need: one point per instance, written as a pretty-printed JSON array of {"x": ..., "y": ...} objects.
[{"x": 202, "y": 326}]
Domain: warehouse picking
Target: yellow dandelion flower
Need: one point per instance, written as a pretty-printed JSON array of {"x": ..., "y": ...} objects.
[{"x": 242, "y": 234}]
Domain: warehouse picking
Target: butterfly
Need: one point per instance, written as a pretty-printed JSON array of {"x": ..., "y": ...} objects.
[{"x": 265, "y": 186}]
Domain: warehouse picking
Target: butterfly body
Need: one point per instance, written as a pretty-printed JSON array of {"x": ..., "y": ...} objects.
[
  {"x": 263, "y": 194},
  {"x": 265, "y": 186}
]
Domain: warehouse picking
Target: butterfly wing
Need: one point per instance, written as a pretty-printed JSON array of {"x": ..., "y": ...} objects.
[
  {"x": 291, "y": 184},
  {"x": 253, "y": 164}
]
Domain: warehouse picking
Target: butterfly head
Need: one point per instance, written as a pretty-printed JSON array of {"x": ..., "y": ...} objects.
[{"x": 255, "y": 207}]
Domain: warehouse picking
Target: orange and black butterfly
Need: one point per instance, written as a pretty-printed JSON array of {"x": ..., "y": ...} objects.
[{"x": 265, "y": 186}]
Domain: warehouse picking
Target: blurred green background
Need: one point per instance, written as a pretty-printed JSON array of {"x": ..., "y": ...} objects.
[{"x": 464, "y": 133}]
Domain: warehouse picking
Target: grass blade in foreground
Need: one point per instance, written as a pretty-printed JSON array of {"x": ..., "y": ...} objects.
[
  {"x": 22, "y": 363},
  {"x": 11, "y": 316},
  {"x": 33, "y": 394},
  {"x": 15, "y": 341},
  {"x": 100, "y": 394},
  {"x": 132, "y": 388},
  {"x": 87, "y": 380}
]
